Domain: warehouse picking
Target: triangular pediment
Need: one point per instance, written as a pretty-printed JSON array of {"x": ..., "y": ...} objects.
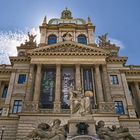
[{"x": 68, "y": 48}]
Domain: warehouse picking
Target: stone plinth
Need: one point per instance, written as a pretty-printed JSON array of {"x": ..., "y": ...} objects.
[{"x": 81, "y": 119}]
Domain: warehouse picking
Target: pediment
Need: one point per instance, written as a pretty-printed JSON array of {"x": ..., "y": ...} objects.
[{"x": 69, "y": 48}]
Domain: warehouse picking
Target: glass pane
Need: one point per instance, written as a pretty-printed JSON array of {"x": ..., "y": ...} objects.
[
  {"x": 48, "y": 88},
  {"x": 67, "y": 82},
  {"x": 4, "y": 94},
  {"x": 19, "y": 109},
  {"x": 15, "y": 109},
  {"x": 21, "y": 78},
  {"x": 52, "y": 39},
  {"x": 82, "y": 39},
  {"x": 87, "y": 76}
]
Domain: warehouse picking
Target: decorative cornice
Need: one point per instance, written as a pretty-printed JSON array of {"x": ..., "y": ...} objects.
[
  {"x": 19, "y": 59},
  {"x": 131, "y": 71},
  {"x": 121, "y": 60}
]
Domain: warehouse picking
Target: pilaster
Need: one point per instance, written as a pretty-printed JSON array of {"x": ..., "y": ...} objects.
[
  {"x": 106, "y": 84},
  {"x": 29, "y": 91},
  {"x": 131, "y": 110},
  {"x": 9, "y": 94}
]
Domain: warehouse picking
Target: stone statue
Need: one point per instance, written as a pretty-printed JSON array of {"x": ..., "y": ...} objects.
[
  {"x": 67, "y": 37},
  {"x": 31, "y": 42},
  {"x": 79, "y": 103},
  {"x": 31, "y": 37},
  {"x": 46, "y": 132},
  {"x": 114, "y": 133},
  {"x": 103, "y": 41}
]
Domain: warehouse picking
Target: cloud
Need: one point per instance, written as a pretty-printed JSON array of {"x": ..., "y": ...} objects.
[
  {"x": 113, "y": 41},
  {"x": 117, "y": 43},
  {"x": 10, "y": 39}
]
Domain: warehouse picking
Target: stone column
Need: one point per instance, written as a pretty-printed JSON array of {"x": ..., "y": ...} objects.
[
  {"x": 29, "y": 90},
  {"x": 98, "y": 84},
  {"x": 130, "y": 107},
  {"x": 78, "y": 77},
  {"x": 57, "y": 102},
  {"x": 37, "y": 84},
  {"x": 106, "y": 84}
]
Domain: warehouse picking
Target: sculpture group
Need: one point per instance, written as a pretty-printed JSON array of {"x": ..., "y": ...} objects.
[
  {"x": 114, "y": 133},
  {"x": 80, "y": 105},
  {"x": 47, "y": 132}
]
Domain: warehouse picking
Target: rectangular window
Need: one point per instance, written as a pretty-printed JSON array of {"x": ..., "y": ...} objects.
[
  {"x": 48, "y": 88},
  {"x": 119, "y": 107},
  {"x": 4, "y": 93},
  {"x": 0, "y": 111},
  {"x": 17, "y": 107},
  {"x": 114, "y": 79},
  {"x": 87, "y": 80},
  {"x": 22, "y": 78}
]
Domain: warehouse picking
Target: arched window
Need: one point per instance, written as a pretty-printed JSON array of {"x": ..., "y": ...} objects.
[
  {"x": 52, "y": 39},
  {"x": 82, "y": 39}
]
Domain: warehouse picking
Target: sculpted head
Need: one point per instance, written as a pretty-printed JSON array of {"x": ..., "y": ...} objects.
[
  {"x": 56, "y": 122},
  {"x": 101, "y": 123},
  {"x": 43, "y": 126}
]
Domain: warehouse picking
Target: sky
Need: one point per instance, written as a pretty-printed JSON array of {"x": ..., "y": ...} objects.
[{"x": 119, "y": 18}]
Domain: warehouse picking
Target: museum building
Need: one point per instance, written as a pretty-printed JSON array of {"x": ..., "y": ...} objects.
[{"x": 35, "y": 88}]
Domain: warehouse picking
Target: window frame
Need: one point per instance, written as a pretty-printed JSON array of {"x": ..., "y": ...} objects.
[
  {"x": 49, "y": 39},
  {"x": 114, "y": 79},
  {"x": 17, "y": 106},
  {"x": 23, "y": 81},
  {"x": 80, "y": 37},
  {"x": 4, "y": 93},
  {"x": 119, "y": 107}
]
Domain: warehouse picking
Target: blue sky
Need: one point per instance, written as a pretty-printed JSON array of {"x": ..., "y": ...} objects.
[{"x": 119, "y": 18}]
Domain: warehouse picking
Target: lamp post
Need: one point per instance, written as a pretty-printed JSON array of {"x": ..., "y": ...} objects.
[{"x": 2, "y": 131}]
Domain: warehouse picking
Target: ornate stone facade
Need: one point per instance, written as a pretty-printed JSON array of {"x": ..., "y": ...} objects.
[{"x": 35, "y": 88}]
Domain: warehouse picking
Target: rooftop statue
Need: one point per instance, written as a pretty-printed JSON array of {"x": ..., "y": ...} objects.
[
  {"x": 31, "y": 41},
  {"x": 46, "y": 132},
  {"x": 103, "y": 41},
  {"x": 114, "y": 133},
  {"x": 31, "y": 37}
]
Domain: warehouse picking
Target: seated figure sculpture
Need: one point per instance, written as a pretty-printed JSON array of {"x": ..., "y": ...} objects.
[
  {"x": 79, "y": 102},
  {"x": 46, "y": 132},
  {"x": 114, "y": 133}
]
